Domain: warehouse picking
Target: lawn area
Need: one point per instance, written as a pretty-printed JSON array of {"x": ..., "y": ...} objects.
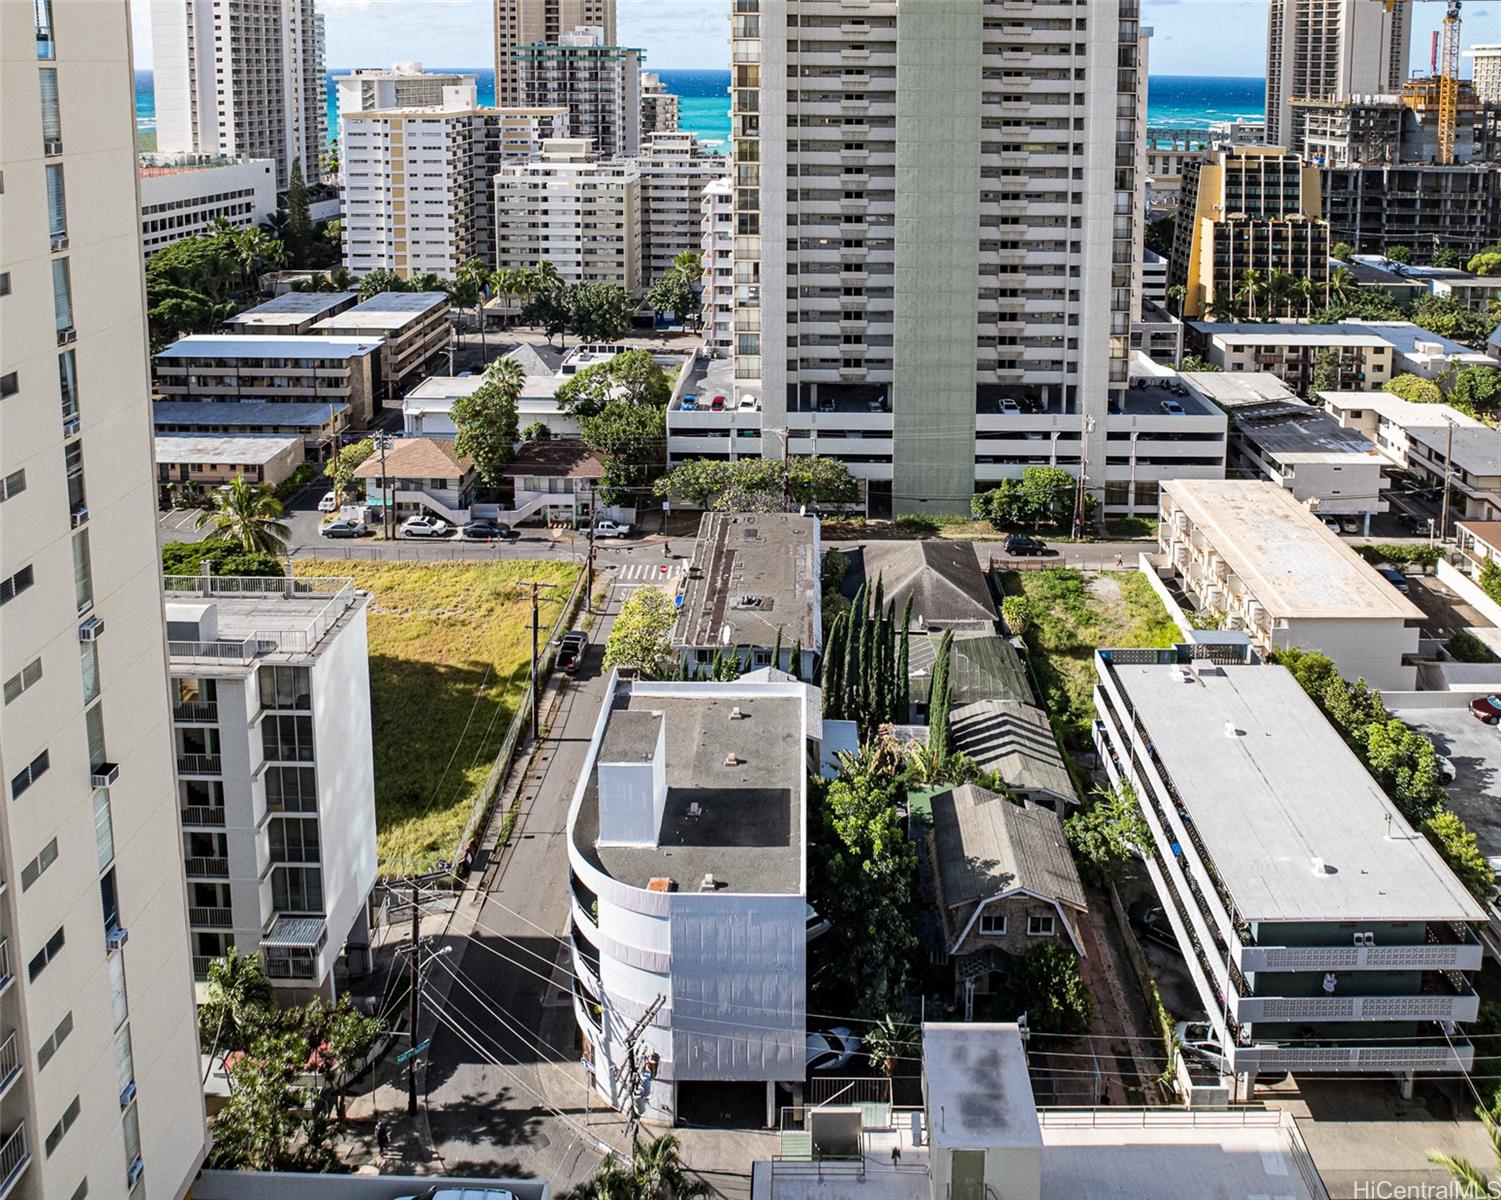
[
  {"x": 450, "y": 645},
  {"x": 1076, "y": 614}
]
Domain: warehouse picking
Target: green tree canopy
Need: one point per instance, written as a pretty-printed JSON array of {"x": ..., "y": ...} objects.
[
  {"x": 248, "y": 516},
  {"x": 486, "y": 420},
  {"x": 599, "y": 312},
  {"x": 340, "y": 467},
  {"x": 299, "y": 227},
  {"x": 1454, "y": 319},
  {"x": 673, "y": 293},
  {"x": 1414, "y": 388},
  {"x": 1399, "y": 254},
  {"x": 1341, "y": 251},
  {"x": 641, "y": 637},
  {"x": 1107, "y": 833},
  {"x": 222, "y": 558},
  {"x": 632, "y": 437},
  {"x": 382, "y": 279},
  {"x": 1476, "y": 388},
  {"x": 632, "y": 376},
  {"x": 1045, "y": 983},
  {"x": 1487, "y": 262}
]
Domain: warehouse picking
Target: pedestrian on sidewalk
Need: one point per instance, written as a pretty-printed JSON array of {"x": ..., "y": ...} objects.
[
  {"x": 382, "y": 1137},
  {"x": 1119, "y": 561}
]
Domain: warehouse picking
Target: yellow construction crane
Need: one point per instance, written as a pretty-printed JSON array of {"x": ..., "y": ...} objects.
[{"x": 1447, "y": 71}]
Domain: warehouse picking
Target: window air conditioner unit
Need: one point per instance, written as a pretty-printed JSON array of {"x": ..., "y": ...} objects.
[
  {"x": 91, "y": 630},
  {"x": 78, "y": 516},
  {"x": 128, "y": 1094},
  {"x": 116, "y": 936},
  {"x": 104, "y": 775},
  {"x": 71, "y": 425}
]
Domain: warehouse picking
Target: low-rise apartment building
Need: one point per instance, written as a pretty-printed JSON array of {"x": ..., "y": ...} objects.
[
  {"x": 687, "y": 839},
  {"x": 1323, "y": 935},
  {"x": 1424, "y": 440},
  {"x": 276, "y": 781},
  {"x": 753, "y": 584},
  {"x": 1274, "y": 435},
  {"x": 1416, "y": 351},
  {"x": 314, "y": 423},
  {"x": 184, "y": 195},
  {"x": 674, "y": 169},
  {"x": 1360, "y": 357},
  {"x": 230, "y": 368},
  {"x": 579, "y": 213},
  {"x": 412, "y": 327},
  {"x": 214, "y": 461},
  {"x": 292, "y": 314},
  {"x": 1251, "y": 552}
]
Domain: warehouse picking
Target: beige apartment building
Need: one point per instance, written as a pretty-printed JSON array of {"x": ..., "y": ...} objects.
[
  {"x": 100, "y": 1090},
  {"x": 243, "y": 78},
  {"x": 580, "y": 214},
  {"x": 521, "y": 22},
  {"x": 675, "y": 170}
]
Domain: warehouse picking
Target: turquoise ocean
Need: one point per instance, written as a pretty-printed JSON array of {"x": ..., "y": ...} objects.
[{"x": 1176, "y": 101}]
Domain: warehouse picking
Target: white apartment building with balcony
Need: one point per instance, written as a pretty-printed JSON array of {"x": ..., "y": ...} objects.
[
  {"x": 402, "y": 85},
  {"x": 717, "y": 250},
  {"x": 579, "y": 213},
  {"x": 243, "y": 78},
  {"x": 674, "y": 169},
  {"x": 99, "y": 1085},
  {"x": 939, "y": 200},
  {"x": 1323, "y": 934},
  {"x": 597, "y": 82},
  {"x": 1487, "y": 77},
  {"x": 183, "y": 195},
  {"x": 275, "y": 777},
  {"x": 688, "y": 877},
  {"x": 660, "y": 109},
  {"x": 418, "y": 195},
  {"x": 1249, "y": 550}
]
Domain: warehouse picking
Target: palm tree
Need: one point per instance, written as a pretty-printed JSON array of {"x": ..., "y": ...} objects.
[
  {"x": 1472, "y": 1180},
  {"x": 1306, "y": 289},
  {"x": 889, "y": 1042},
  {"x": 1342, "y": 283},
  {"x": 247, "y": 515},
  {"x": 471, "y": 281},
  {"x": 1281, "y": 287},
  {"x": 237, "y": 998},
  {"x": 1177, "y": 293},
  {"x": 508, "y": 375},
  {"x": 1224, "y": 310},
  {"x": 659, "y": 1167},
  {"x": 1252, "y": 284},
  {"x": 544, "y": 277},
  {"x": 509, "y": 283}
]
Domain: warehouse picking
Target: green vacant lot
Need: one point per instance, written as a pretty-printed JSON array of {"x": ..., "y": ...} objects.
[
  {"x": 450, "y": 645},
  {"x": 1076, "y": 614}
]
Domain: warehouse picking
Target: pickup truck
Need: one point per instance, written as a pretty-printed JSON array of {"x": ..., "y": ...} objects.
[{"x": 610, "y": 529}]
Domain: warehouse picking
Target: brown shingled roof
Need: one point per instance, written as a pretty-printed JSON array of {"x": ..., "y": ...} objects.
[
  {"x": 564, "y": 457},
  {"x": 417, "y": 458}
]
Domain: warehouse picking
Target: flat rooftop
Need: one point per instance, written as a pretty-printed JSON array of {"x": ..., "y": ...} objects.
[
  {"x": 1402, "y": 412},
  {"x": 188, "y": 448},
  {"x": 1477, "y": 451},
  {"x": 1303, "y": 434},
  {"x": 223, "y": 346},
  {"x": 387, "y": 312},
  {"x": 268, "y": 615},
  {"x": 975, "y": 1078},
  {"x": 751, "y": 575},
  {"x": 1404, "y": 336},
  {"x": 292, "y": 304},
  {"x": 742, "y": 824},
  {"x": 229, "y": 414},
  {"x": 1286, "y": 334},
  {"x": 1232, "y": 389},
  {"x": 1273, "y": 790},
  {"x": 1292, "y": 563}
]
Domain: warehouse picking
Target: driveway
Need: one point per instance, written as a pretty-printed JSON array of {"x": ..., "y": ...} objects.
[
  {"x": 1446, "y": 614},
  {"x": 1475, "y": 750}
]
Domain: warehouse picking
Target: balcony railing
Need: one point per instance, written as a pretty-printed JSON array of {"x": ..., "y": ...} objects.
[
  {"x": 1434, "y": 955},
  {"x": 10, "y": 1063},
  {"x": 212, "y": 866},
  {"x": 14, "y": 1159},
  {"x": 201, "y": 964},
  {"x": 1439, "y": 1055},
  {"x": 6, "y": 978},
  {"x": 197, "y": 712},
  {"x": 211, "y": 918},
  {"x": 199, "y": 764},
  {"x": 290, "y": 968},
  {"x": 203, "y": 814},
  {"x": 1462, "y": 1006}
]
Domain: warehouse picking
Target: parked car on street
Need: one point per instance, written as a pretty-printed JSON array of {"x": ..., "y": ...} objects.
[
  {"x": 1018, "y": 545},
  {"x": 329, "y": 502},
  {"x": 345, "y": 529},
  {"x": 1150, "y": 923},
  {"x": 571, "y": 650},
  {"x": 426, "y": 527},
  {"x": 438, "y": 1192},
  {"x": 830, "y": 1049},
  {"x": 1487, "y": 709},
  {"x": 484, "y": 531},
  {"x": 1394, "y": 577},
  {"x": 610, "y": 529}
]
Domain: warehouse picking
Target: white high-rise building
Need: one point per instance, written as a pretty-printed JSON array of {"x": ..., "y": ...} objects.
[
  {"x": 100, "y": 1090},
  {"x": 243, "y": 78},
  {"x": 598, "y": 82},
  {"x": 660, "y": 109},
  {"x": 580, "y": 214},
  {"x": 1487, "y": 77},
  {"x": 271, "y": 709},
  {"x": 716, "y": 248},
  {"x": 404, "y": 85},
  {"x": 519, "y": 22},
  {"x": 418, "y": 190},
  {"x": 675, "y": 169},
  {"x": 1330, "y": 50},
  {"x": 938, "y": 200}
]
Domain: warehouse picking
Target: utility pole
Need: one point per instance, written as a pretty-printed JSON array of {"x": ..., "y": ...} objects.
[
  {"x": 589, "y": 578},
  {"x": 536, "y": 589},
  {"x": 381, "y": 442},
  {"x": 414, "y": 980},
  {"x": 632, "y": 1068},
  {"x": 1443, "y": 521}
]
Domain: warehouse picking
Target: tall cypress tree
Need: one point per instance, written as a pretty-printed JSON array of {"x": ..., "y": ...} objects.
[
  {"x": 797, "y": 661},
  {"x": 849, "y": 676},
  {"x": 776, "y": 650},
  {"x": 299, "y": 226},
  {"x": 938, "y": 701},
  {"x": 833, "y": 665},
  {"x": 888, "y": 663},
  {"x": 903, "y": 681}
]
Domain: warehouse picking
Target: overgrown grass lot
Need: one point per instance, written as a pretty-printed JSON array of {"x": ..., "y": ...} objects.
[
  {"x": 1073, "y": 615},
  {"x": 450, "y": 647}
]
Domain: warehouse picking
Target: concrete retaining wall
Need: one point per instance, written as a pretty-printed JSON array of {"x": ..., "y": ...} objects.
[
  {"x": 287, "y": 1185},
  {"x": 1469, "y": 591},
  {"x": 1174, "y": 609}
]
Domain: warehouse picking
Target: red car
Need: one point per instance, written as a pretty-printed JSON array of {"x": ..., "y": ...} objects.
[
  {"x": 717, "y": 404},
  {"x": 1487, "y": 709}
]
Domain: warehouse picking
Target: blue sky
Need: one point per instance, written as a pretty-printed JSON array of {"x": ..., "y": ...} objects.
[{"x": 1191, "y": 37}]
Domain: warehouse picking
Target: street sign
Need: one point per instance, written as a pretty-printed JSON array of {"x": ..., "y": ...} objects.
[{"x": 417, "y": 1049}]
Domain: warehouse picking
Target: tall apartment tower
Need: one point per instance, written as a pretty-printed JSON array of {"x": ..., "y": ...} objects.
[
  {"x": 241, "y": 77},
  {"x": 1487, "y": 77},
  {"x": 100, "y": 1093},
  {"x": 1330, "y": 50},
  {"x": 403, "y": 85},
  {"x": 937, "y": 200},
  {"x": 598, "y": 82},
  {"x": 520, "y": 22}
]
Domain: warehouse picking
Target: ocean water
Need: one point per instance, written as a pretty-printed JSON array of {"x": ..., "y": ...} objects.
[{"x": 1177, "y": 101}]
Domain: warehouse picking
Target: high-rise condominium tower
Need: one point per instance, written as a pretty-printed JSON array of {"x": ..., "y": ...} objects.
[
  {"x": 241, "y": 77},
  {"x": 936, "y": 217},
  {"x": 100, "y": 1091},
  {"x": 521, "y": 22},
  {"x": 1330, "y": 50}
]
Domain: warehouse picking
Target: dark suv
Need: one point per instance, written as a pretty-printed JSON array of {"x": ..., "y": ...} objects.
[
  {"x": 571, "y": 651},
  {"x": 1019, "y": 545}
]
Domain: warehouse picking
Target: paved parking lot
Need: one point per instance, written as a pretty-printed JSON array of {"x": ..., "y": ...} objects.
[{"x": 1475, "y": 750}]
